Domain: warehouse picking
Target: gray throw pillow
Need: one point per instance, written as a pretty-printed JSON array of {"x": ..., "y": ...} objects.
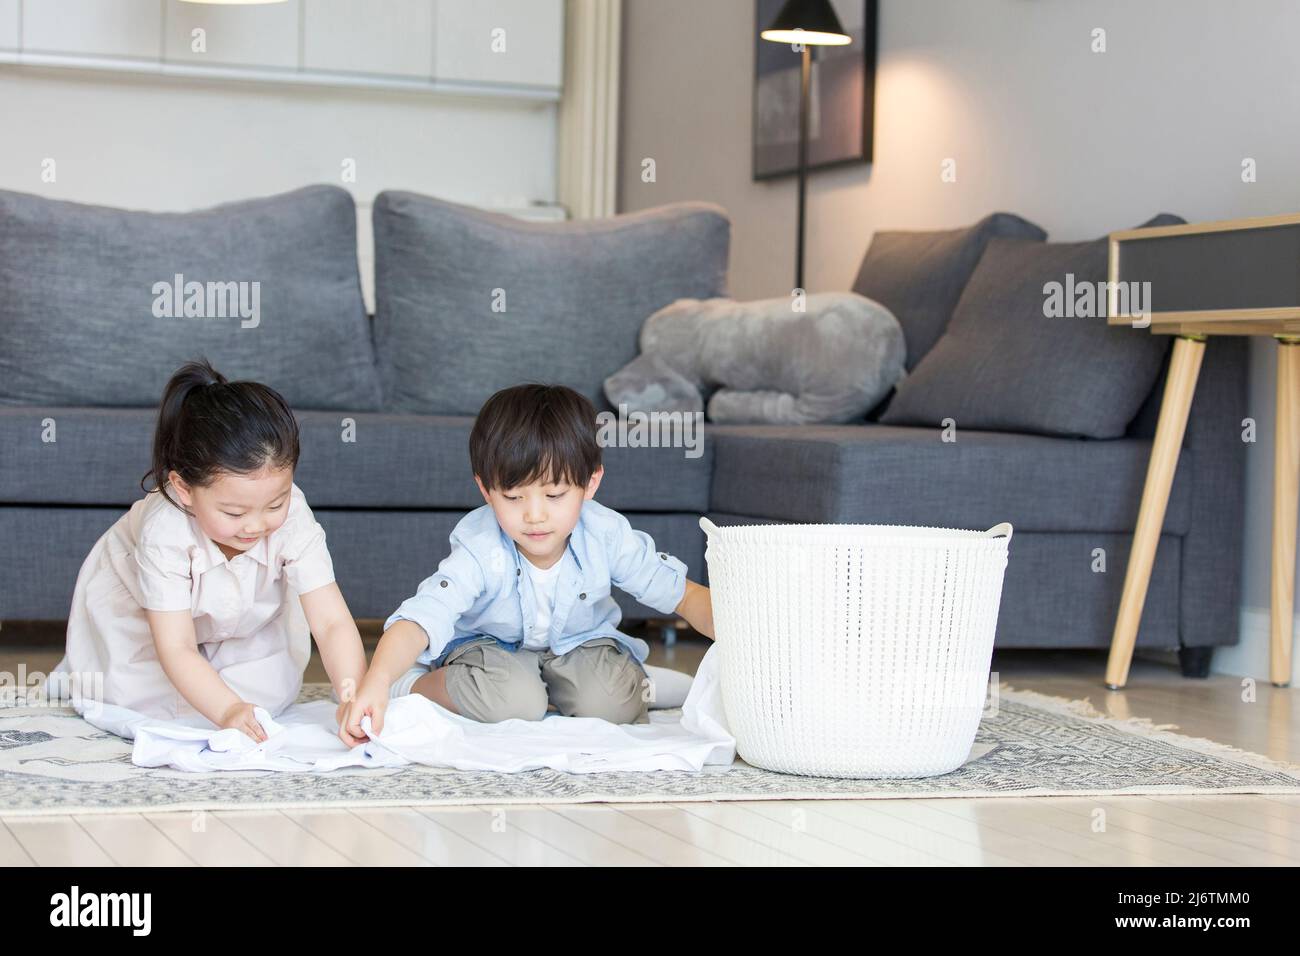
[
  {"x": 768, "y": 363},
  {"x": 919, "y": 276},
  {"x": 268, "y": 290},
  {"x": 468, "y": 302},
  {"x": 1005, "y": 364}
]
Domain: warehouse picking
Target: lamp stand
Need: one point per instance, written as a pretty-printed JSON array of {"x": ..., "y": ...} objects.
[{"x": 805, "y": 78}]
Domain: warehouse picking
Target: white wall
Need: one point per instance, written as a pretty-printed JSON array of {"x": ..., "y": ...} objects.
[{"x": 1080, "y": 142}]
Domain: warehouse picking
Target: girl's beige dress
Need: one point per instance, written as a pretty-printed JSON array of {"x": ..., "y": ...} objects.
[{"x": 248, "y": 620}]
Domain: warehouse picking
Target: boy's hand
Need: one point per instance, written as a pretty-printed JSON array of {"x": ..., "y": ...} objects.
[
  {"x": 341, "y": 718},
  {"x": 370, "y": 701},
  {"x": 398, "y": 650},
  {"x": 697, "y": 607},
  {"x": 240, "y": 717}
]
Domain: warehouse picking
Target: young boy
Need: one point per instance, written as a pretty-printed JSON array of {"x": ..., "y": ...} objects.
[{"x": 519, "y": 614}]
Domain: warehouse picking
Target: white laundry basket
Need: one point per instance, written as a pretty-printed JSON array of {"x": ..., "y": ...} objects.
[{"x": 855, "y": 650}]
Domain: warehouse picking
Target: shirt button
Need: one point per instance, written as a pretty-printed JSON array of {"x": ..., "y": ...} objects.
[
  {"x": 582, "y": 596},
  {"x": 662, "y": 556},
  {"x": 518, "y": 571},
  {"x": 442, "y": 584}
]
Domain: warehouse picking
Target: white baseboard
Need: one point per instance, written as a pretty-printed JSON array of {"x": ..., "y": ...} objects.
[{"x": 1249, "y": 656}]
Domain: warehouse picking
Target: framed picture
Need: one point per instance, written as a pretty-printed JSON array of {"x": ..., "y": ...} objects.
[{"x": 841, "y": 94}]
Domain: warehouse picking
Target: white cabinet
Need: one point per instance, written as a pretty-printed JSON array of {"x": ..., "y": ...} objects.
[
  {"x": 120, "y": 28},
  {"x": 392, "y": 38},
  {"x": 259, "y": 35},
  {"x": 469, "y": 35},
  {"x": 506, "y": 48},
  {"x": 8, "y": 24}
]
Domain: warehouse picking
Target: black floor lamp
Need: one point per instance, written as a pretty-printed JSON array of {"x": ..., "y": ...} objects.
[{"x": 807, "y": 23}]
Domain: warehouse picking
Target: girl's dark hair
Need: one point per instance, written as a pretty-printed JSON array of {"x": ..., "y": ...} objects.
[
  {"x": 534, "y": 432},
  {"x": 207, "y": 425}
]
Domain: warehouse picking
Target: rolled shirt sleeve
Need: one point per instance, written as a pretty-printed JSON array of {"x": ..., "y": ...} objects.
[
  {"x": 442, "y": 598},
  {"x": 655, "y": 578},
  {"x": 164, "y": 577}
]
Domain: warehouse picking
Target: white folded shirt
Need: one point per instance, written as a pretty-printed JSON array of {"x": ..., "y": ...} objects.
[{"x": 303, "y": 738}]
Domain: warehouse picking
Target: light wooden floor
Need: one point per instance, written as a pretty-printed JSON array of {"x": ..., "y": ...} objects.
[{"x": 1144, "y": 831}]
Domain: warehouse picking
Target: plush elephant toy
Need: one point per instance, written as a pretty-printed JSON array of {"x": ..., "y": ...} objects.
[{"x": 763, "y": 361}]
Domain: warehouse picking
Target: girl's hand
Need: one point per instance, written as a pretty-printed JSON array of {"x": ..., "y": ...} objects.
[{"x": 240, "y": 717}]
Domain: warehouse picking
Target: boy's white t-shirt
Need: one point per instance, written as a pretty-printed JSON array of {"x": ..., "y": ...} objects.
[{"x": 544, "y": 585}]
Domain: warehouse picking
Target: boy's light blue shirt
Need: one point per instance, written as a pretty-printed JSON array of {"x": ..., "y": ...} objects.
[{"x": 480, "y": 588}]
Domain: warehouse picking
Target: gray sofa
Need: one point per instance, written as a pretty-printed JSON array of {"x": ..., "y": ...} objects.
[{"x": 384, "y": 459}]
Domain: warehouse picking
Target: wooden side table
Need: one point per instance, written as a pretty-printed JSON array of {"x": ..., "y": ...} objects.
[{"x": 1234, "y": 277}]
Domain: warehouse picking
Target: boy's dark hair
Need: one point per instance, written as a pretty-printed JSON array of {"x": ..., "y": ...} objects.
[
  {"x": 207, "y": 425},
  {"x": 534, "y": 432}
]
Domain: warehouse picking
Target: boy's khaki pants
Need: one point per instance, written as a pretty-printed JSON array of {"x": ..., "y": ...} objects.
[{"x": 599, "y": 678}]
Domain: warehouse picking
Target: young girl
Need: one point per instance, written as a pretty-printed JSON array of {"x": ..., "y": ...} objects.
[{"x": 188, "y": 604}]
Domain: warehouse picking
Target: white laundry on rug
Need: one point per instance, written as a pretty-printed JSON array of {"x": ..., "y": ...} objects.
[{"x": 303, "y": 739}]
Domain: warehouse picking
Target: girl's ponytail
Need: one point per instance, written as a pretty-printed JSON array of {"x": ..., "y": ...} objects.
[{"x": 207, "y": 425}]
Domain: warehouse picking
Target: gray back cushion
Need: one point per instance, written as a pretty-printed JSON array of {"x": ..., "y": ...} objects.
[
  {"x": 1004, "y": 365},
  {"x": 81, "y": 322},
  {"x": 919, "y": 276},
  {"x": 574, "y": 295}
]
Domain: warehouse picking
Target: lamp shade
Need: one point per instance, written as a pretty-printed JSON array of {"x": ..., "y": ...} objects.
[{"x": 807, "y": 21}]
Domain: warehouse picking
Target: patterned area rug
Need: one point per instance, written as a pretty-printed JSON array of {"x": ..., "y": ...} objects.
[{"x": 52, "y": 761}]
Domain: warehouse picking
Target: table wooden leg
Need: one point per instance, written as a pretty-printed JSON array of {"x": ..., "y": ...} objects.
[
  {"x": 1286, "y": 490},
  {"x": 1180, "y": 385}
]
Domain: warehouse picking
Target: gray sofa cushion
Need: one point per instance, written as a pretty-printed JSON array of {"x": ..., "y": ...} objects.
[
  {"x": 396, "y": 461},
  {"x": 919, "y": 276},
  {"x": 422, "y": 461},
  {"x": 1004, "y": 364},
  {"x": 81, "y": 322},
  {"x": 574, "y": 295},
  {"x": 379, "y": 557},
  {"x": 880, "y": 474}
]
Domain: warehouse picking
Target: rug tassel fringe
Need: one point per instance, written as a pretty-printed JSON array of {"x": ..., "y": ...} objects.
[{"x": 1144, "y": 727}]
